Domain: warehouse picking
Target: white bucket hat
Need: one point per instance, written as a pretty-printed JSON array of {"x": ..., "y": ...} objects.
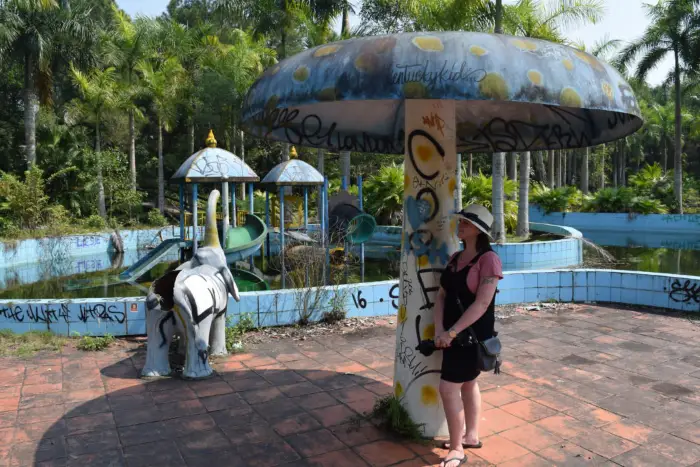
[{"x": 479, "y": 216}]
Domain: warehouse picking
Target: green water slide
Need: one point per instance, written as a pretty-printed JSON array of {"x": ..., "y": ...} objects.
[{"x": 244, "y": 241}]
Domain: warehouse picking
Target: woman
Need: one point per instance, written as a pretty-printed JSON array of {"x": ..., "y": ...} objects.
[{"x": 471, "y": 278}]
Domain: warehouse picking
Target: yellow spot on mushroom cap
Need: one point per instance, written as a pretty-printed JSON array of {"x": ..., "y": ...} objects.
[
  {"x": 535, "y": 77},
  {"x": 478, "y": 50},
  {"x": 366, "y": 62},
  {"x": 327, "y": 94},
  {"x": 378, "y": 45},
  {"x": 398, "y": 389},
  {"x": 425, "y": 153},
  {"x": 590, "y": 59},
  {"x": 402, "y": 315},
  {"x": 428, "y": 332},
  {"x": 608, "y": 90},
  {"x": 428, "y": 43},
  {"x": 570, "y": 98},
  {"x": 327, "y": 50},
  {"x": 429, "y": 395},
  {"x": 524, "y": 44},
  {"x": 301, "y": 74},
  {"x": 415, "y": 90},
  {"x": 568, "y": 64},
  {"x": 494, "y": 86}
]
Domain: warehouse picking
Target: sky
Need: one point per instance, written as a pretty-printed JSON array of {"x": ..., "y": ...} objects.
[{"x": 624, "y": 20}]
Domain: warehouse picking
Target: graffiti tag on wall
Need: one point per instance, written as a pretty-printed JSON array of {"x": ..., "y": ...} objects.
[{"x": 55, "y": 313}]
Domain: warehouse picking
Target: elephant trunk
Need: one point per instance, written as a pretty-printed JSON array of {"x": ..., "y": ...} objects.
[{"x": 211, "y": 234}]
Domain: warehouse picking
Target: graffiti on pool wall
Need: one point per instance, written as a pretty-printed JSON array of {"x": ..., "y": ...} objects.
[
  {"x": 693, "y": 218},
  {"x": 361, "y": 302},
  {"x": 684, "y": 292},
  {"x": 47, "y": 313}
]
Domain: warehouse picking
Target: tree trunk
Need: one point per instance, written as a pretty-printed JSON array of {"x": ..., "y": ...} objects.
[
  {"x": 615, "y": 164},
  {"x": 564, "y": 159},
  {"x": 243, "y": 192},
  {"x": 524, "y": 196},
  {"x": 458, "y": 185},
  {"x": 345, "y": 28},
  {"x": 161, "y": 175},
  {"x": 285, "y": 158},
  {"x": 540, "y": 168},
  {"x": 512, "y": 170},
  {"x": 470, "y": 166},
  {"x": 677, "y": 155},
  {"x": 552, "y": 170},
  {"x": 345, "y": 166},
  {"x": 101, "y": 205},
  {"x": 557, "y": 162},
  {"x": 499, "y": 229},
  {"x": 602, "y": 168},
  {"x": 132, "y": 148},
  {"x": 190, "y": 135},
  {"x": 665, "y": 152},
  {"x": 31, "y": 109},
  {"x": 584, "y": 171},
  {"x": 498, "y": 29}
]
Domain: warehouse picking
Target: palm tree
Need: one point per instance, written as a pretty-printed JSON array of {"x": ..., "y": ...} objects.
[
  {"x": 31, "y": 32},
  {"x": 523, "y": 229},
  {"x": 659, "y": 123},
  {"x": 98, "y": 96},
  {"x": 673, "y": 29},
  {"x": 601, "y": 49},
  {"x": 163, "y": 83},
  {"x": 130, "y": 42}
]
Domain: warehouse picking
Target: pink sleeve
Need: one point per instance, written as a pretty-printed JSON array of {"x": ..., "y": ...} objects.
[{"x": 490, "y": 265}]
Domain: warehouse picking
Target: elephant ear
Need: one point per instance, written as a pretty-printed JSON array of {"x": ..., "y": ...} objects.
[{"x": 230, "y": 283}]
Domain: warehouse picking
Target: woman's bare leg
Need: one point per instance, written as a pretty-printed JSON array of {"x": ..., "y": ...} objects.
[
  {"x": 471, "y": 398},
  {"x": 454, "y": 412}
]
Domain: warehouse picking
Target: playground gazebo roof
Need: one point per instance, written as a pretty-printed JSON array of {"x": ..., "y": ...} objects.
[
  {"x": 213, "y": 164},
  {"x": 293, "y": 172}
]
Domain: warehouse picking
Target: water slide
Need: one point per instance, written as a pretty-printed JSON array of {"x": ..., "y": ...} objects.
[
  {"x": 153, "y": 257},
  {"x": 243, "y": 242}
]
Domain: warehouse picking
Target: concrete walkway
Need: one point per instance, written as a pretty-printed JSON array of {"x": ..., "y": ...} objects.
[{"x": 583, "y": 386}]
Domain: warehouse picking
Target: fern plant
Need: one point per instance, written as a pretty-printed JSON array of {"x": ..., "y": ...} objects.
[
  {"x": 477, "y": 190},
  {"x": 383, "y": 194}
]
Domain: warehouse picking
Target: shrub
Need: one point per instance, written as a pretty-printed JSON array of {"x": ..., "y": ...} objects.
[
  {"x": 383, "y": 194},
  {"x": 24, "y": 202},
  {"x": 234, "y": 332},
  {"x": 95, "y": 222},
  {"x": 623, "y": 199},
  {"x": 562, "y": 199},
  {"x": 94, "y": 344},
  {"x": 477, "y": 189},
  {"x": 27, "y": 344},
  {"x": 156, "y": 219}
]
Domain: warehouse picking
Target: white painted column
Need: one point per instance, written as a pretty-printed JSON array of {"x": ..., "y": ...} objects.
[
  {"x": 429, "y": 239},
  {"x": 227, "y": 219}
]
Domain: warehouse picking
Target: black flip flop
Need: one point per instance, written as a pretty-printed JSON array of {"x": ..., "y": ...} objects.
[
  {"x": 463, "y": 460},
  {"x": 478, "y": 445}
]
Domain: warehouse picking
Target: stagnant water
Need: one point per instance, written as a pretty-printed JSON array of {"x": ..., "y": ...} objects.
[{"x": 631, "y": 251}]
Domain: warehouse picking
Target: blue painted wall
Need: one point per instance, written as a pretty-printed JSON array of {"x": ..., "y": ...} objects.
[
  {"x": 127, "y": 316},
  {"x": 585, "y": 221}
]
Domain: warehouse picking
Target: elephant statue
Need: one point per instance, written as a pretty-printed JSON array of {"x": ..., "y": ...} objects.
[{"x": 191, "y": 302}]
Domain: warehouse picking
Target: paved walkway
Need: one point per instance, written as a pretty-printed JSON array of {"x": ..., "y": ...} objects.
[{"x": 585, "y": 386}]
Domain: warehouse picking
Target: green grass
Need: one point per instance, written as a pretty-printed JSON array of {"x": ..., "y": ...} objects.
[
  {"x": 94, "y": 344},
  {"x": 234, "y": 333},
  {"x": 389, "y": 415},
  {"x": 28, "y": 344}
]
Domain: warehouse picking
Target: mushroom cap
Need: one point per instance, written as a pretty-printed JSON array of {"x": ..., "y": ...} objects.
[
  {"x": 214, "y": 165},
  {"x": 294, "y": 172},
  {"x": 511, "y": 93}
]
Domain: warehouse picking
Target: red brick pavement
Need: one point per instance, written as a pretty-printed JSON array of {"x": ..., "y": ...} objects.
[{"x": 585, "y": 386}]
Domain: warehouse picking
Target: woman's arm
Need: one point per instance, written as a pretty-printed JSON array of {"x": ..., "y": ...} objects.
[{"x": 484, "y": 295}]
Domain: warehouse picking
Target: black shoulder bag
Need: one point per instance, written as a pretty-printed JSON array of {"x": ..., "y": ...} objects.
[{"x": 488, "y": 352}]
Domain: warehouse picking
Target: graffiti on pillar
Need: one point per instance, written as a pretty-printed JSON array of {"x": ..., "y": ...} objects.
[{"x": 427, "y": 242}]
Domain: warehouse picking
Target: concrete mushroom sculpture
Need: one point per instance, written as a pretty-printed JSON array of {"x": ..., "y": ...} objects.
[{"x": 430, "y": 96}]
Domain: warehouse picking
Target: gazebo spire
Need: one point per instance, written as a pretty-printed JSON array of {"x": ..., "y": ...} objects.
[
  {"x": 293, "y": 153},
  {"x": 210, "y": 141}
]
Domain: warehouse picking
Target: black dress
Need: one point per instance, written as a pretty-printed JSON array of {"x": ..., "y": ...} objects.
[{"x": 459, "y": 362}]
